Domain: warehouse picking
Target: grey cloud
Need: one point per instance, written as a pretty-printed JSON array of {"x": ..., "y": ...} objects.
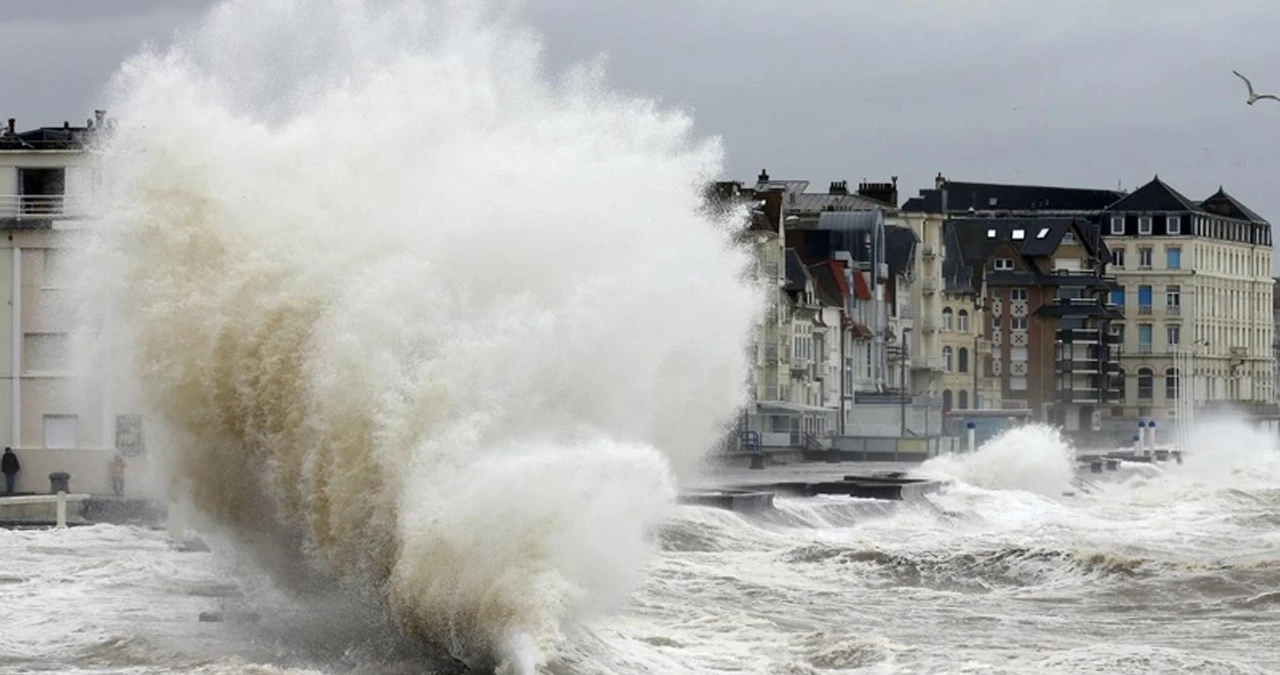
[{"x": 1084, "y": 93}]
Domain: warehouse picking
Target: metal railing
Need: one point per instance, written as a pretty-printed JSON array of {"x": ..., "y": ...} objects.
[{"x": 39, "y": 206}]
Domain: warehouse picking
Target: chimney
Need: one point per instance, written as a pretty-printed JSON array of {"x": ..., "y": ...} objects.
[
  {"x": 66, "y": 124},
  {"x": 12, "y": 123},
  {"x": 939, "y": 181},
  {"x": 763, "y": 177},
  {"x": 885, "y": 193},
  {"x": 838, "y": 187},
  {"x": 99, "y": 116}
]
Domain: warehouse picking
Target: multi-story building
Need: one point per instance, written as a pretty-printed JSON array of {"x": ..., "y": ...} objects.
[
  {"x": 1196, "y": 279},
  {"x": 1042, "y": 283},
  {"x": 56, "y": 416}
]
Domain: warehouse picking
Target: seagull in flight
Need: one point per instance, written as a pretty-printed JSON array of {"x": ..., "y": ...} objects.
[{"x": 1254, "y": 98}]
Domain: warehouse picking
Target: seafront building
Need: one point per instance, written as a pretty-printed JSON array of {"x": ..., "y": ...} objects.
[{"x": 52, "y": 416}]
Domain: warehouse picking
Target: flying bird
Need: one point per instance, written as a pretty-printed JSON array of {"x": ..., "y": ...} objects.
[{"x": 1254, "y": 98}]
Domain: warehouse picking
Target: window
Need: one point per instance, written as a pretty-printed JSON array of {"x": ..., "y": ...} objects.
[
  {"x": 1171, "y": 384},
  {"x": 60, "y": 431},
  {"x": 1017, "y": 294},
  {"x": 1044, "y": 232},
  {"x": 1144, "y": 225},
  {"x": 1144, "y": 258},
  {"x": 962, "y": 400},
  {"x": 1117, "y": 225},
  {"x": 1144, "y": 338},
  {"x": 1017, "y": 353},
  {"x": 1172, "y": 336},
  {"x": 1019, "y": 234},
  {"x": 1174, "y": 225},
  {"x": 1173, "y": 298},
  {"x": 1117, "y": 329},
  {"x": 1018, "y": 383},
  {"x": 962, "y": 361},
  {"x": 1017, "y": 323},
  {"x": 1144, "y": 299},
  {"x": 1173, "y": 258},
  {"x": 962, "y": 321},
  {"x": 1146, "y": 383},
  {"x": 1069, "y": 239},
  {"x": 946, "y": 319},
  {"x": 1117, "y": 297},
  {"x": 991, "y": 234},
  {"x": 946, "y": 400},
  {"x": 1117, "y": 258},
  {"x": 1004, "y": 264},
  {"x": 946, "y": 358}
]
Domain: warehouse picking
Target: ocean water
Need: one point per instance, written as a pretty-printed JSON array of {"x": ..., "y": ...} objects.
[
  {"x": 429, "y": 338},
  {"x": 1154, "y": 569}
]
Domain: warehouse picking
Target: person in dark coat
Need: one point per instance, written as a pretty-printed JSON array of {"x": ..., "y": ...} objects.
[{"x": 10, "y": 467}]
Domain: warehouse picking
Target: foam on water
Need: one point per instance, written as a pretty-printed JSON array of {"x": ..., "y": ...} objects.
[
  {"x": 1032, "y": 457},
  {"x": 451, "y": 328}
]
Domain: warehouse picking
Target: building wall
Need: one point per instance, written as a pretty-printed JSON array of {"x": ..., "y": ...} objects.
[
  {"x": 926, "y": 302},
  {"x": 970, "y": 338},
  {"x": 1224, "y": 314}
]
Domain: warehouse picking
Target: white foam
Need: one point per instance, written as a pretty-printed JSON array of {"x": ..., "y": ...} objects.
[
  {"x": 1032, "y": 457},
  {"x": 390, "y": 288}
]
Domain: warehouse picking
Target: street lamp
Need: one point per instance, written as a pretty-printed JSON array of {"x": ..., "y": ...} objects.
[
  {"x": 1184, "y": 362},
  {"x": 902, "y": 376}
]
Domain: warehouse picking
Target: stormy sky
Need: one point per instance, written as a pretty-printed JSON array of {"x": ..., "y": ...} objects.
[{"x": 1090, "y": 93}]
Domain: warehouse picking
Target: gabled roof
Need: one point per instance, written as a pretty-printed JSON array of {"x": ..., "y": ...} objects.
[
  {"x": 964, "y": 197},
  {"x": 1224, "y": 204},
  {"x": 828, "y": 283},
  {"x": 797, "y": 274},
  {"x": 970, "y": 242},
  {"x": 899, "y": 246},
  {"x": 1154, "y": 196}
]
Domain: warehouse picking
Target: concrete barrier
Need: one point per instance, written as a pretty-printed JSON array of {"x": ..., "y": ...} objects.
[{"x": 11, "y": 512}]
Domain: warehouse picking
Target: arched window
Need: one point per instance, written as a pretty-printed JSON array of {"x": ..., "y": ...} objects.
[
  {"x": 946, "y": 318},
  {"x": 962, "y": 400},
  {"x": 946, "y": 400},
  {"x": 1146, "y": 384},
  {"x": 1171, "y": 384},
  {"x": 962, "y": 361},
  {"x": 946, "y": 358},
  {"x": 962, "y": 321}
]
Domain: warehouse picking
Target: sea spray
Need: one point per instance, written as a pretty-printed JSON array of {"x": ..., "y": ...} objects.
[
  {"x": 451, "y": 327},
  {"x": 1032, "y": 458}
]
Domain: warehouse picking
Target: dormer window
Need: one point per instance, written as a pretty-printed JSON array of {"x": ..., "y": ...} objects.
[
  {"x": 1174, "y": 225},
  {"x": 1044, "y": 232},
  {"x": 1003, "y": 264},
  {"x": 1019, "y": 234},
  {"x": 1144, "y": 225},
  {"x": 1068, "y": 238},
  {"x": 991, "y": 234},
  {"x": 1117, "y": 225}
]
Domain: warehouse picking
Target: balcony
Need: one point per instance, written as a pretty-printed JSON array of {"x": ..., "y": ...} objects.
[
  {"x": 1173, "y": 310},
  {"x": 1144, "y": 349},
  {"x": 40, "y": 207},
  {"x": 1144, "y": 309},
  {"x": 1079, "y": 335},
  {"x": 928, "y": 251}
]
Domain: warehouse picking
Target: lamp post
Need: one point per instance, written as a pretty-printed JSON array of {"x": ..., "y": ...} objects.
[
  {"x": 902, "y": 377},
  {"x": 1185, "y": 364}
]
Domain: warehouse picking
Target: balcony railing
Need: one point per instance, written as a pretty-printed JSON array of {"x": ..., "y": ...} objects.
[
  {"x": 1173, "y": 310},
  {"x": 40, "y": 206},
  {"x": 1144, "y": 349},
  {"x": 1144, "y": 309}
]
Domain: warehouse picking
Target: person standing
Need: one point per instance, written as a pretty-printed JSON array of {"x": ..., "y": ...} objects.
[
  {"x": 10, "y": 467},
  {"x": 117, "y": 474}
]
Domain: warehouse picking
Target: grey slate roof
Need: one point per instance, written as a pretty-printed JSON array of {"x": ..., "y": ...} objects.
[
  {"x": 1154, "y": 196},
  {"x": 797, "y": 273},
  {"x": 899, "y": 247},
  {"x": 1232, "y": 206},
  {"x": 964, "y": 197}
]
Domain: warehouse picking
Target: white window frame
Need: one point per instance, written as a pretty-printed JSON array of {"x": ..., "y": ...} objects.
[
  {"x": 1003, "y": 264},
  {"x": 1144, "y": 224},
  {"x": 1015, "y": 320},
  {"x": 1117, "y": 257},
  {"x": 1018, "y": 294},
  {"x": 1117, "y": 225},
  {"x": 1145, "y": 265},
  {"x": 1173, "y": 225}
]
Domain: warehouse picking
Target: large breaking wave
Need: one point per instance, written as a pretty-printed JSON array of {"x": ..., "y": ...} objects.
[{"x": 449, "y": 326}]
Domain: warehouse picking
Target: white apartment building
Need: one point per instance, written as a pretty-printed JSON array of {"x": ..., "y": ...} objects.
[
  {"x": 1196, "y": 279},
  {"x": 925, "y": 303},
  {"x": 53, "y": 417}
]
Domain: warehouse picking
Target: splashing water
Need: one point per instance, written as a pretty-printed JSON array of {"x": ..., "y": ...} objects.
[
  {"x": 1032, "y": 458},
  {"x": 455, "y": 329}
]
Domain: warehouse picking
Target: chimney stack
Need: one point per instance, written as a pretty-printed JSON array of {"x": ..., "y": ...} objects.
[
  {"x": 838, "y": 187},
  {"x": 763, "y": 177},
  {"x": 939, "y": 181},
  {"x": 12, "y": 123},
  {"x": 885, "y": 193}
]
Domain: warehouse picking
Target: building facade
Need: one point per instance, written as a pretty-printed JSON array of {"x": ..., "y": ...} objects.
[
  {"x": 1197, "y": 291},
  {"x": 55, "y": 415}
]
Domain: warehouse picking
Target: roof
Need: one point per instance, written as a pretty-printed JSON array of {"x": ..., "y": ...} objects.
[
  {"x": 970, "y": 242},
  {"x": 1225, "y": 204},
  {"x": 797, "y": 274},
  {"x": 828, "y": 284},
  {"x": 1154, "y": 196},
  {"x": 899, "y": 247},
  {"x": 965, "y": 197},
  {"x": 65, "y": 137}
]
